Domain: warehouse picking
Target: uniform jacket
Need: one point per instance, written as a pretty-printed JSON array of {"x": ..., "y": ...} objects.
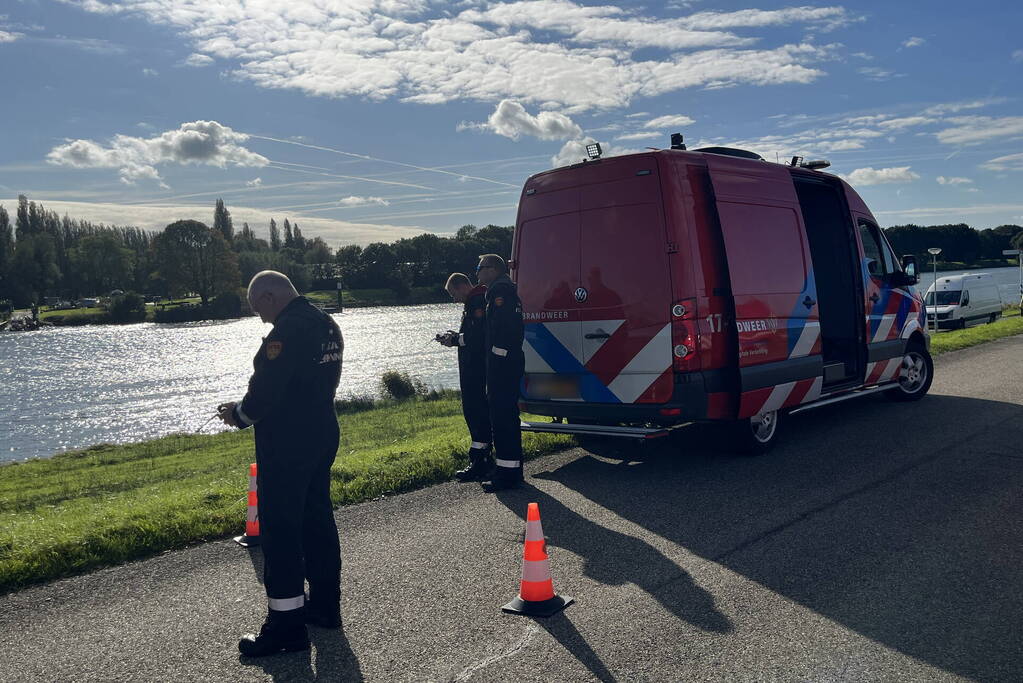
[
  {"x": 295, "y": 377},
  {"x": 472, "y": 332},
  {"x": 505, "y": 329}
]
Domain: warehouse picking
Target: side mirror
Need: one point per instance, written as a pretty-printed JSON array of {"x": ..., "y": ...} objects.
[{"x": 909, "y": 268}]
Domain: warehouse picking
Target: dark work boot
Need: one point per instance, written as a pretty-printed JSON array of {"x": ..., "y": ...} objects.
[
  {"x": 323, "y": 609},
  {"x": 479, "y": 465},
  {"x": 281, "y": 632}
]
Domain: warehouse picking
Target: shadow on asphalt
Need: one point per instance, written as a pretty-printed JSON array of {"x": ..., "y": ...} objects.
[
  {"x": 900, "y": 521},
  {"x": 565, "y": 632},
  {"x": 333, "y": 659},
  {"x": 614, "y": 558}
]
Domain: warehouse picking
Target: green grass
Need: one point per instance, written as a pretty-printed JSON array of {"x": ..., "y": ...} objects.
[
  {"x": 357, "y": 298},
  {"x": 98, "y": 316},
  {"x": 1010, "y": 324},
  {"x": 109, "y": 504}
]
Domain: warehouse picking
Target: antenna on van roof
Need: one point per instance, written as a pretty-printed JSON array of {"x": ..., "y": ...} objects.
[{"x": 676, "y": 141}]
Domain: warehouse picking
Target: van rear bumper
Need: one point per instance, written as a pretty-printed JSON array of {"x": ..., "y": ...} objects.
[{"x": 688, "y": 403}]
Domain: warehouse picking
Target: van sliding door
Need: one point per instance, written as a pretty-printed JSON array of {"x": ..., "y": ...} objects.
[{"x": 772, "y": 284}]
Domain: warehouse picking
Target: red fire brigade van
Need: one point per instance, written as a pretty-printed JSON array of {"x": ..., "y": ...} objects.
[{"x": 679, "y": 286}]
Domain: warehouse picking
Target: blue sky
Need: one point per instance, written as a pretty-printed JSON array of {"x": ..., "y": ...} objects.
[{"x": 368, "y": 120}]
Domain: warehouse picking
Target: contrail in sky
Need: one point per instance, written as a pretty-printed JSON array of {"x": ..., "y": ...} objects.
[
  {"x": 366, "y": 157},
  {"x": 354, "y": 177}
]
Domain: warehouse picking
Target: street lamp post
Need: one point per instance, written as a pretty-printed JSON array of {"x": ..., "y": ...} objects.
[
  {"x": 934, "y": 251},
  {"x": 1018, "y": 253}
]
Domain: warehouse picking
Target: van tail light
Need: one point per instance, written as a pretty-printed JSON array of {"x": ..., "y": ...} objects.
[{"x": 685, "y": 337}]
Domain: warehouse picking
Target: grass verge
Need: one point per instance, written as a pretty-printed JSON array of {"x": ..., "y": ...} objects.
[
  {"x": 107, "y": 504},
  {"x": 1010, "y": 324}
]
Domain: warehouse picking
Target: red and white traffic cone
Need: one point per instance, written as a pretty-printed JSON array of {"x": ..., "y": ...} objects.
[
  {"x": 536, "y": 596},
  {"x": 251, "y": 535}
]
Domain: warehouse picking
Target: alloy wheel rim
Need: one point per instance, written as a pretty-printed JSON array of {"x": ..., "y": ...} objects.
[
  {"x": 914, "y": 372},
  {"x": 763, "y": 428}
]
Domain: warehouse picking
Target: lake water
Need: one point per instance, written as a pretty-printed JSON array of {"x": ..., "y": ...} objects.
[
  {"x": 65, "y": 388},
  {"x": 69, "y": 387}
]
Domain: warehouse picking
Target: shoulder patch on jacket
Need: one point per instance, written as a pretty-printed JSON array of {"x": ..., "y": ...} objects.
[
  {"x": 273, "y": 349},
  {"x": 478, "y": 312},
  {"x": 499, "y": 301}
]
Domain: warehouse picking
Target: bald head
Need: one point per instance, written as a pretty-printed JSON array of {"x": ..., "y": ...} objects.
[{"x": 269, "y": 292}]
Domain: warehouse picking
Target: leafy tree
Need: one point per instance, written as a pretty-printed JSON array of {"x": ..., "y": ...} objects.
[
  {"x": 289, "y": 237},
  {"x": 6, "y": 253},
  {"x": 222, "y": 221},
  {"x": 101, "y": 264},
  {"x": 22, "y": 225},
  {"x": 194, "y": 258},
  {"x": 275, "y": 236},
  {"x": 127, "y": 308}
]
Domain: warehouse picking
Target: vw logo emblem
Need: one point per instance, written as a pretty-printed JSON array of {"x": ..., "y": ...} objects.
[{"x": 580, "y": 295}]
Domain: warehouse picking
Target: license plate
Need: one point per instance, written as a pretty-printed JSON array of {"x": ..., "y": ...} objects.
[{"x": 552, "y": 387}]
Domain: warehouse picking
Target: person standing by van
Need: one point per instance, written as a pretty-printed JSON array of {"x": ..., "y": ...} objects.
[
  {"x": 472, "y": 372},
  {"x": 505, "y": 365}
]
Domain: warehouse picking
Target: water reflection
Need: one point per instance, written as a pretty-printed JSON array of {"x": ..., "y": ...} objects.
[{"x": 71, "y": 387}]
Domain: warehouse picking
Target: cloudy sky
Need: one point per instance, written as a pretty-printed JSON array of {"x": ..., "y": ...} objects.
[{"x": 371, "y": 120}]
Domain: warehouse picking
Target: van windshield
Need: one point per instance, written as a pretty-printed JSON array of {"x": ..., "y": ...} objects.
[{"x": 948, "y": 297}]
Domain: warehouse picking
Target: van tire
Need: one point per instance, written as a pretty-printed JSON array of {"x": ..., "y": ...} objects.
[
  {"x": 755, "y": 435},
  {"x": 916, "y": 375},
  {"x": 994, "y": 318}
]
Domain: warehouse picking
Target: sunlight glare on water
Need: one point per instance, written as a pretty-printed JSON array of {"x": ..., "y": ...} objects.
[{"x": 70, "y": 387}]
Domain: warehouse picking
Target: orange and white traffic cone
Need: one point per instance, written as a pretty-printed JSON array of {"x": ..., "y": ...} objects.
[
  {"x": 536, "y": 596},
  {"x": 251, "y": 535}
]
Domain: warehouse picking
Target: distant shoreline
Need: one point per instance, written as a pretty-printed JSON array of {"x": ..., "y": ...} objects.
[{"x": 326, "y": 299}]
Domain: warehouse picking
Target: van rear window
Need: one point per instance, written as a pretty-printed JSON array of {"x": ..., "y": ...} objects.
[{"x": 765, "y": 249}]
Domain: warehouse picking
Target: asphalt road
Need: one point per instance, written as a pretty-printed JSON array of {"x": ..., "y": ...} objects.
[{"x": 878, "y": 541}]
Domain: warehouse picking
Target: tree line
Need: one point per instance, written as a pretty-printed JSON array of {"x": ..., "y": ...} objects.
[
  {"x": 43, "y": 254},
  {"x": 959, "y": 243}
]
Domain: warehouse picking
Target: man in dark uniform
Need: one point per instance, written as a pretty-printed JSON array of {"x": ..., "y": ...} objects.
[
  {"x": 505, "y": 365},
  {"x": 290, "y": 401},
  {"x": 470, "y": 340}
]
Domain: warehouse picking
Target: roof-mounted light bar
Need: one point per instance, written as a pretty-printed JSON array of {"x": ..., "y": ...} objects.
[{"x": 815, "y": 165}]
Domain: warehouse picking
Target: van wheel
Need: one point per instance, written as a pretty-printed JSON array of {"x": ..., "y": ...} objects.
[
  {"x": 915, "y": 375},
  {"x": 961, "y": 325},
  {"x": 993, "y": 318},
  {"x": 755, "y": 435}
]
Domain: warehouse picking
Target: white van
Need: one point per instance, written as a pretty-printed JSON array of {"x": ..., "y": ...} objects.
[{"x": 961, "y": 300}]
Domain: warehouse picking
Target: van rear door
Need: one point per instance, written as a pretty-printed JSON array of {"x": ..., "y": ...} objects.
[
  {"x": 772, "y": 284},
  {"x": 591, "y": 263}
]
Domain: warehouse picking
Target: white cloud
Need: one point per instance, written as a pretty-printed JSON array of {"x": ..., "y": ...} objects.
[
  {"x": 156, "y": 216},
  {"x": 913, "y": 41},
  {"x": 197, "y": 60},
  {"x": 10, "y": 36},
  {"x": 150, "y": 72},
  {"x": 972, "y": 130},
  {"x": 511, "y": 120},
  {"x": 876, "y": 73},
  {"x": 198, "y": 142},
  {"x": 349, "y": 202},
  {"x": 1017, "y": 56},
  {"x": 574, "y": 151},
  {"x": 670, "y": 121},
  {"x": 1009, "y": 162},
  {"x": 942, "y": 180},
  {"x": 255, "y": 182},
  {"x": 557, "y": 53},
  {"x": 881, "y": 176},
  {"x": 955, "y": 107},
  {"x": 905, "y": 122},
  {"x": 637, "y": 115},
  {"x": 640, "y": 136}
]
